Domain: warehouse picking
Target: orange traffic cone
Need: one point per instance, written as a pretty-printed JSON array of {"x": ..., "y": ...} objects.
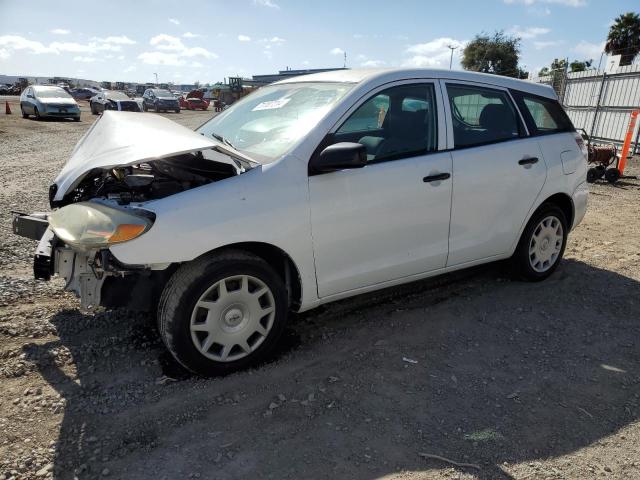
[{"x": 7, "y": 109}]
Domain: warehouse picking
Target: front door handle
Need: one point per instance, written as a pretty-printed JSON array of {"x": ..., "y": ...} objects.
[
  {"x": 528, "y": 161},
  {"x": 437, "y": 177}
]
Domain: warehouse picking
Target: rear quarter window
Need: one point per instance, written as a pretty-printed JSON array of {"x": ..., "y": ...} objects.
[{"x": 543, "y": 115}]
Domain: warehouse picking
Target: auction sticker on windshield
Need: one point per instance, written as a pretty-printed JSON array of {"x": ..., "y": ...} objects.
[{"x": 271, "y": 105}]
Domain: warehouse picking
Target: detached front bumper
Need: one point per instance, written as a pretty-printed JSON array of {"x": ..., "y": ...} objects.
[
  {"x": 82, "y": 274},
  {"x": 95, "y": 276}
]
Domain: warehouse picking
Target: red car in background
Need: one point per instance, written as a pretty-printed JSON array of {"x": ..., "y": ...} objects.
[{"x": 194, "y": 101}]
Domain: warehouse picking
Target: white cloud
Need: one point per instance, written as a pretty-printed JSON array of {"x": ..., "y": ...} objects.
[
  {"x": 174, "y": 21},
  {"x": 528, "y": 32},
  {"x": 306, "y": 63},
  {"x": 85, "y": 59},
  {"x": 568, "y": 3},
  {"x": 60, "y": 31},
  {"x": 191, "y": 35},
  {"x": 434, "y": 54},
  {"x": 198, "y": 52},
  {"x": 244, "y": 38},
  {"x": 166, "y": 42},
  {"x": 196, "y": 65},
  {"x": 266, "y": 3},
  {"x": 277, "y": 40},
  {"x": 118, "y": 40},
  {"x": 120, "y": 57},
  {"x": 268, "y": 53},
  {"x": 373, "y": 63},
  {"x": 336, "y": 51},
  {"x": 4, "y": 54},
  {"x": 172, "y": 51},
  {"x": 161, "y": 58},
  {"x": 358, "y": 36},
  {"x": 130, "y": 68},
  {"x": 588, "y": 49},
  {"x": 539, "y": 45},
  {"x": 15, "y": 42}
]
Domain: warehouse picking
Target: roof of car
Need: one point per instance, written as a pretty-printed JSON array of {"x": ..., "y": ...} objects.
[
  {"x": 46, "y": 87},
  {"x": 384, "y": 75}
]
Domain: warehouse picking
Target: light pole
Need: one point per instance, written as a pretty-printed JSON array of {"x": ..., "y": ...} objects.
[
  {"x": 452, "y": 48},
  {"x": 156, "y": 79}
]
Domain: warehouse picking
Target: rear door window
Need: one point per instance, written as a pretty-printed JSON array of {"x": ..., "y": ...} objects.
[
  {"x": 543, "y": 115},
  {"x": 481, "y": 115}
]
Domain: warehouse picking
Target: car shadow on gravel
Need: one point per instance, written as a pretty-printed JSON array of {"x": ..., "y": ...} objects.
[{"x": 475, "y": 368}]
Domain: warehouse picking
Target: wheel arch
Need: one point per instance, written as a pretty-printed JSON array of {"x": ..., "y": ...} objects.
[
  {"x": 278, "y": 259},
  {"x": 565, "y": 203}
]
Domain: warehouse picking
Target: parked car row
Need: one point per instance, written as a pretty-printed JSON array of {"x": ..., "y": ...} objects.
[{"x": 54, "y": 101}]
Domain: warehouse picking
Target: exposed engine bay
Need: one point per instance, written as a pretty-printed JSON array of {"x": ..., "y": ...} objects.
[{"x": 150, "y": 180}]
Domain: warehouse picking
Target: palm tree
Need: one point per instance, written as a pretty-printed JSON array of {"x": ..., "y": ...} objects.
[{"x": 624, "y": 38}]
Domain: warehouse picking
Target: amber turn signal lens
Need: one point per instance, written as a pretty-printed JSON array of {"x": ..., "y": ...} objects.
[{"x": 126, "y": 231}]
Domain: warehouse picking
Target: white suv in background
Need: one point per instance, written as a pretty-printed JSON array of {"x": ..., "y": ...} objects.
[{"x": 310, "y": 190}]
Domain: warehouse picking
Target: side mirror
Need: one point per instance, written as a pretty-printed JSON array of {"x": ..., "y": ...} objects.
[{"x": 339, "y": 156}]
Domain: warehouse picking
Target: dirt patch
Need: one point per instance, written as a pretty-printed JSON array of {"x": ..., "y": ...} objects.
[{"x": 523, "y": 380}]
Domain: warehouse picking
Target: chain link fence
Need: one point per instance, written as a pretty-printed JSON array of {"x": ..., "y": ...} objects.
[{"x": 599, "y": 101}]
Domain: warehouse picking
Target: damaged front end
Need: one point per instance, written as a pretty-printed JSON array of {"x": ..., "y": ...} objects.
[{"x": 104, "y": 196}]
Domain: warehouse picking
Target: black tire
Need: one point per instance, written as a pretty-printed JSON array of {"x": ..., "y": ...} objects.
[
  {"x": 612, "y": 175},
  {"x": 185, "y": 288},
  {"x": 36, "y": 113},
  {"x": 521, "y": 261},
  {"x": 144, "y": 107},
  {"x": 76, "y": 119},
  {"x": 24, "y": 115},
  {"x": 94, "y": 110},
  {"x": 177, "y": 110},
  {"x": 592, "y": 175},
  {"x": 157, "y": 108}
]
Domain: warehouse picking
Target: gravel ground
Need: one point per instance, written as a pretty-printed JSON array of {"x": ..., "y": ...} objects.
[{"x": 536, "y": 381}]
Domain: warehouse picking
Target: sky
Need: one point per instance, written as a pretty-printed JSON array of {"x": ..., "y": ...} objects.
[{"x": 210, "y": 40}]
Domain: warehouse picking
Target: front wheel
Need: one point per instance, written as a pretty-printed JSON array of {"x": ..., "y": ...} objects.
[
  {"x": 542, "y": 244},
  {"x": 157, "y": 108},
  {"x": 36, "y": 113},
  {"x": 24, "y": 115},
  {"x": 222, "y": 313}
]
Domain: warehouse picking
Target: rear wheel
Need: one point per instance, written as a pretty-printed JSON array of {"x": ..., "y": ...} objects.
[
  {"x": 612, "y": 175},
  {"x": 222, "y": 313},
  {"x": 542, "y": 244}
]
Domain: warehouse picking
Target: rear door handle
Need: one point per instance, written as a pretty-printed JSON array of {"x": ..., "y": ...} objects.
[
  {"x": 437, "y": 177},
  {"x": 528, "y": 161}
]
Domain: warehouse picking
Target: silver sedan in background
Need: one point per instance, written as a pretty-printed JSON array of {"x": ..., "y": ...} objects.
[{"x": 48, "y": 101}]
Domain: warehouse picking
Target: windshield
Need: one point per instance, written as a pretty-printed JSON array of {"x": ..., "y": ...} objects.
[
  {"x": 163, "y": 93},
  {"x": 116, "y": 96},
  {"x": 54, "y": 92},
  {"x": 267, "y": 123}
]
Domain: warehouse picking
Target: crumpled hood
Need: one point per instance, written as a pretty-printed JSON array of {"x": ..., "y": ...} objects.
[{"x": 126, "y": 138}]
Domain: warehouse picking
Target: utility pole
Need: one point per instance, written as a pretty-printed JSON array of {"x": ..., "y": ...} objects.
[
  {"x": 345, "y": 60},
  {"x": 156, "y": 79},
  {"x": 452, "y": 48}
]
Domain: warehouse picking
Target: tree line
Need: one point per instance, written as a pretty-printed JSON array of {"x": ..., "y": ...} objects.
[{"x": 499, "y": 53}]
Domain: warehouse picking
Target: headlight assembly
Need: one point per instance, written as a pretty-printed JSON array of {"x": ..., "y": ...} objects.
[{"x": 89, "y": 225}]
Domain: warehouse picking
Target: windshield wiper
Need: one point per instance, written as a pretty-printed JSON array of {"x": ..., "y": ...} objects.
[
  {"x": 243, "y": 161},
  {"x": 222, "y": 139}
]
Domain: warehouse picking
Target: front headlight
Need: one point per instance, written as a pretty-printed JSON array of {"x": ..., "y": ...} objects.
[{"x": 90, "y": 225}]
